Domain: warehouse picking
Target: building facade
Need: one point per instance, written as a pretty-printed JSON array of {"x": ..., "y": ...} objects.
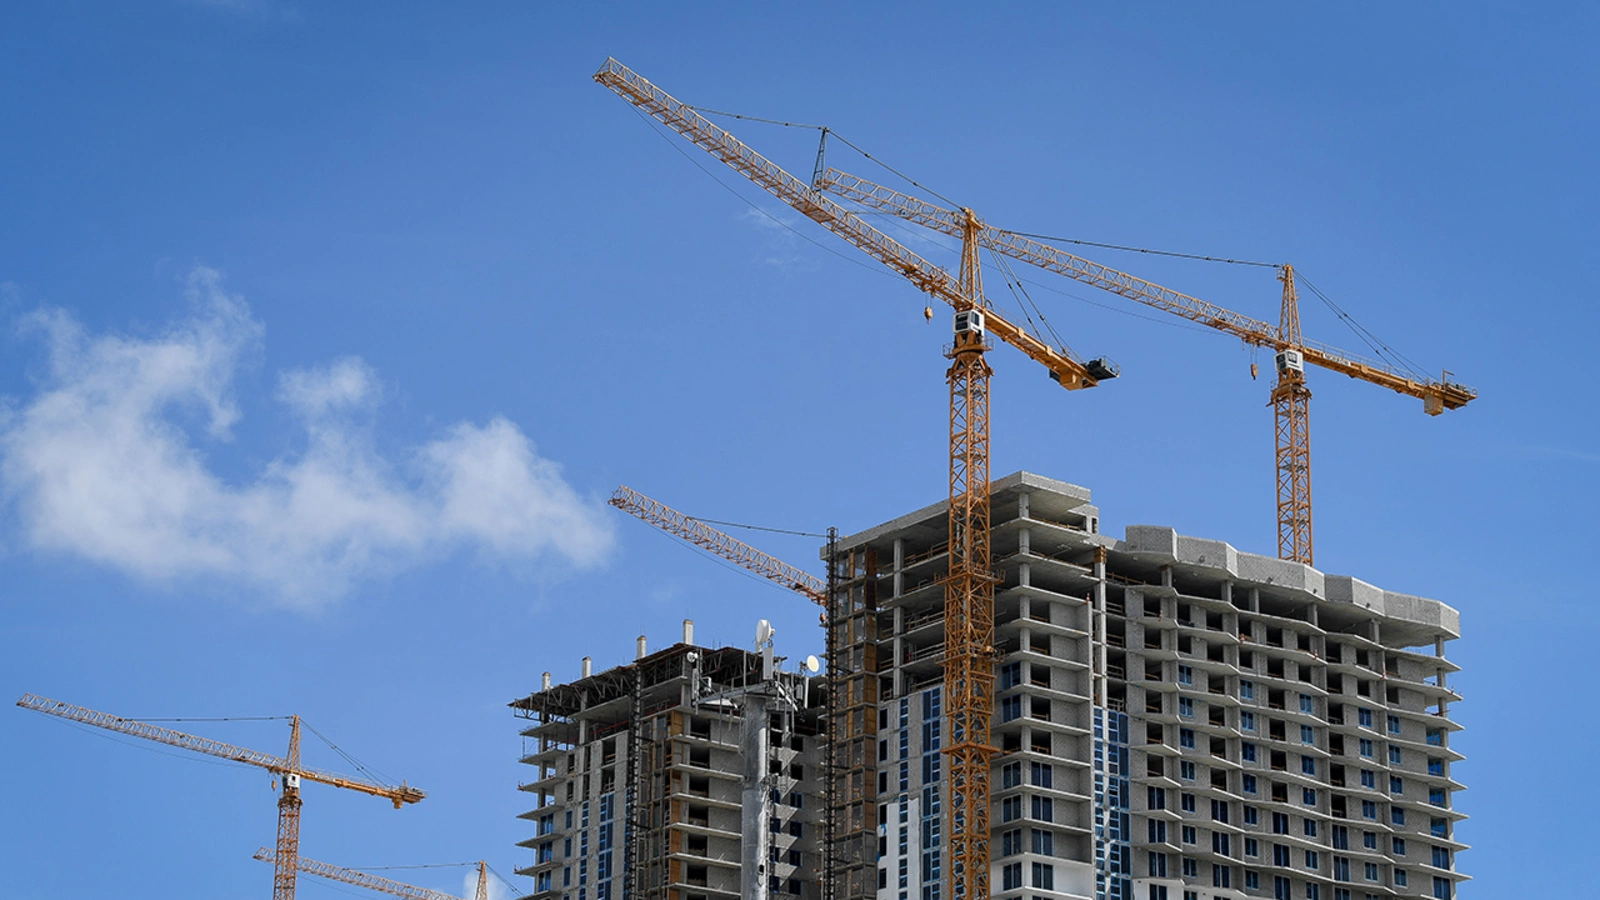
[
  {"x": 641, "y": 777},
  {"x": 1175, "y": 719}
]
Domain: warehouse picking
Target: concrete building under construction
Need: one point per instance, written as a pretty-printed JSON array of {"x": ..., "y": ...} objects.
[
  {"x": 1174, "y": 719},
  {"x": 682, "y": 776}
]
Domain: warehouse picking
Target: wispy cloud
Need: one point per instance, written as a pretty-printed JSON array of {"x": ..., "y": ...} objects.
[
  {"x": 276, "y": 10},
  {"x": 1561, "y": 453},
  {"x": 781, "y": 245},
  {"x": 107, "y": 462}
]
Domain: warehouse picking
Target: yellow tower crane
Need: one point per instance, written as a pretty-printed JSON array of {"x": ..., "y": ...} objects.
[
  {"x": 969, "y": 584},
  {"x": 378, "y": 883},
  {"x": 1290, "y": 396},
  {"x": 288, "y": 769}
]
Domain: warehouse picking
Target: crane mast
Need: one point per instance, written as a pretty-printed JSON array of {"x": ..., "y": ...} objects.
[
  {"x": 969, "y": 590},
  {"x": 1291, "y": 428},
  {"x": 285, "y": 862}
]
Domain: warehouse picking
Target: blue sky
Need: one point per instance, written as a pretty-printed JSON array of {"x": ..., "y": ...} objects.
[{"x": 324, "y": 332}]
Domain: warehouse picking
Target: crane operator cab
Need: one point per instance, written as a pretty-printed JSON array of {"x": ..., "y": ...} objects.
[
  {"x": 1290, "y": 361},
  {"x": 969, "y": 321}
]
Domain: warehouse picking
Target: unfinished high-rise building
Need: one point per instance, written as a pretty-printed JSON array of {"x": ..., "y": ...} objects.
[
  {"x": 691, "y": 773},
  {"x": 1174, "y": 719}
]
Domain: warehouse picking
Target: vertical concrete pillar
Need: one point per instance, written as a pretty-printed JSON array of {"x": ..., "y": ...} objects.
[
  {"x": 1024, "y": 541},
  {"x": 756, "y": 803},
  {"x": 899, "y": 639},
  {"x": 1098, "y": 640},
  {"x": 583, "y": 723},
  {"x": 1025, "y": 574},
  {"x": 899, "y": 567},
  {"x": 1022, "y": 505}
]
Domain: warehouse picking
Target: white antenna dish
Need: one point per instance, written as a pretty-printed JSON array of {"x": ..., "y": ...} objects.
[
  {"x": 763, "y": 633},
  {"x": 813, "y": 665}
]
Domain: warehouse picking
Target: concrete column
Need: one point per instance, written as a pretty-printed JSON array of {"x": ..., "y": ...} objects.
[
  {"x": 1024, "y": 541},
  {"x": 1022, "y": 505},
  {"x": 899, "y": 566},
  {"x": 899, "y": 642},
  {"x": 1254, "y": 603},
  {"x": 1098, "y": 633},
  {"x": 1025, "y": 573},
  {"x": 756, "y": 802}
]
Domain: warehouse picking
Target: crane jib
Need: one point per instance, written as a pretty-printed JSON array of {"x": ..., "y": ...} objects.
[{"x": 771, "y": 177}]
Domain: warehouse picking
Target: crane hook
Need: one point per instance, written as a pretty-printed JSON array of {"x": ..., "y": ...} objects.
[
  {"x": 1253, "y": 372},
  {"x": 927, "y": 313}
]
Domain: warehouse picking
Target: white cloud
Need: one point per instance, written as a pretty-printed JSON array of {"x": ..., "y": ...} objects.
[
  {"x": 347, "y": 384},
  {"x": 106, "y": 462}
]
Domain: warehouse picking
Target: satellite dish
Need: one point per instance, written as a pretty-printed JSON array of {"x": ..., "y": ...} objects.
[
  {"x": 812, "y": 665},
  {"x": 763, "y": 632}
]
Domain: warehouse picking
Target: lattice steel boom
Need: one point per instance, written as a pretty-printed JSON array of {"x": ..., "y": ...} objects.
[
  {"x": 825, "y": 211},
  {"x": 378, "y": 883},
  {"x": 729, "y": 548}
]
